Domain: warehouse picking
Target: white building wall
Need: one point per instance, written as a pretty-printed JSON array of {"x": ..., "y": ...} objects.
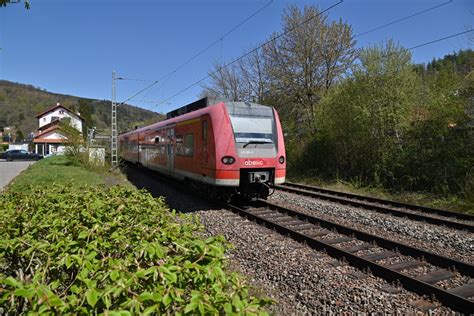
[
  {"x": 18, "y": 147},
  {"x": 61, "y": 113},
  {"x": 54, "y": 135}
]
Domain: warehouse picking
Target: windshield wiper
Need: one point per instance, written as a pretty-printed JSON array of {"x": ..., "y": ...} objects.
[{"x": 256, "y": 142}]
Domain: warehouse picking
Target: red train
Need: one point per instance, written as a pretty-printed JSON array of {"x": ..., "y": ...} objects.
[{"x": 227, "y": 148}]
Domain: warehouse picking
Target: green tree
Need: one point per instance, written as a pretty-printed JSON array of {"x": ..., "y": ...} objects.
[
  {"x": 85, "y": 110},
  {"x": 3, "y": 3},
  {"x": 399, "y": 125},
  {"x": 365, "y": 119},
  {"x": 74, "y": 142},
  {"x": 19, "y": 135},
  {"x": 441, "y": 142}
]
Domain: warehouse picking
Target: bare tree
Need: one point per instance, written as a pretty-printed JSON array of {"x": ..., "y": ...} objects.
[
  {"x": 225, "y": 83},
  {"x": 3, "y": 3},
  {"x": 306, "y": 61},
  {"x": 254, "y": 77},
  {"x": 292, "y": 71}
]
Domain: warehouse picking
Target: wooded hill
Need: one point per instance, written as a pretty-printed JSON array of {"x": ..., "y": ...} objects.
[{"x": 20, "y": 103}]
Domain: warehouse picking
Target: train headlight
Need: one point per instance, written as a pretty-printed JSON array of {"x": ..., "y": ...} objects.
[
  {"x": 281, "y": 159},
  {"x": 228, "y": 160}
]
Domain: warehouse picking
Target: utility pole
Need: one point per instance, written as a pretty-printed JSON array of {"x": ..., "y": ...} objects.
[{"x": 113, "y": 142}]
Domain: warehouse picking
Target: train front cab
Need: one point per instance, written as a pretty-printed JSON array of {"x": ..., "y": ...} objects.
[{"x": 255, "y": 147}]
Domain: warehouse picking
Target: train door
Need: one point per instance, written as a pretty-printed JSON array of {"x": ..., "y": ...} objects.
[
  {"x": 170, "y": 149},
  {"x": 138, "y": 148},
  {"x": 204, "y": 141}
]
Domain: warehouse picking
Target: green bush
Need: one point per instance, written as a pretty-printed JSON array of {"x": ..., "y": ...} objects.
[{"x": 112, "y": 251}]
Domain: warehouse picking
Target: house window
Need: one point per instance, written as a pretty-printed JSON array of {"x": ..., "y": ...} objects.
[
  {"x": 61, "y": 112},
  {"x": 44, "y": 119}
]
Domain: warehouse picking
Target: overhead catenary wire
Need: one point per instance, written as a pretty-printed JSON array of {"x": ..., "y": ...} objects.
[
  {"x": 304, "y": 22},
  {"x": 421, "y": 45},
  {"x": 136, "y": 79},
  {"x": 404, "y": 18},
  {"x": 281, "y": 34},
  {"x": 168, "y": 75},
  {"x": 220, "y": 39},
  {"x": 202, "y": 51},
  {"x": 383, "y": 56},
  {"x": 251, "y": 51},
  {"x": 140, "y": 91}
]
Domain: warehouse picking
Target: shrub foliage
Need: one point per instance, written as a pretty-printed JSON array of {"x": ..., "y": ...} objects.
[{"x": 112, "y": 251}]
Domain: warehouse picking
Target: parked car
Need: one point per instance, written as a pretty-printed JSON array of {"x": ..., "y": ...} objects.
[
  {"x": 20, "y": 155},
  {"x": 2, "y": 154}
]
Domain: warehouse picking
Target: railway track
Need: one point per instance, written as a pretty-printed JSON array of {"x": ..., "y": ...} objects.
[
  {"x": 449, "y": 219},
  {"x": 420, "y": 271},
  {"x": 370, "y": 252}
]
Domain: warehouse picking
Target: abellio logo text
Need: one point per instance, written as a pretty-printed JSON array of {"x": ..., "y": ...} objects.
[{"x": 253, "y": 163}]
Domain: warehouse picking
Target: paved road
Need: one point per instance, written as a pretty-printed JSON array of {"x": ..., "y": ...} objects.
[{"x": 10, "y": 169}]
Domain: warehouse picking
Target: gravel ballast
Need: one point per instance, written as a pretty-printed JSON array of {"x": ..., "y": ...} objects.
[
  {"x": 445, "y": 241},
  {"x": 301, "y": 280}
]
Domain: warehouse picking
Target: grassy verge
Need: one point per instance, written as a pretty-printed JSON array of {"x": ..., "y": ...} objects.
[
  {"x": 98, "y": 248},
  {"x": 60, "y": 170},
  {"x": 452, "y": 203}
]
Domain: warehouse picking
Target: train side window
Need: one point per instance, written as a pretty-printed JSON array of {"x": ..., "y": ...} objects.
[
  {"x": 189, "y": 145},
  {"x": 204, "y": 131},
  {"x": 179, "y": 145}
]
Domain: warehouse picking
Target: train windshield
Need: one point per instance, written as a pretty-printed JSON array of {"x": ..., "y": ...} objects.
[{"x": 252, "y": 123}]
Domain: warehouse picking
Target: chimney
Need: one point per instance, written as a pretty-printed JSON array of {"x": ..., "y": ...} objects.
[{"x": 58, "y": 103}]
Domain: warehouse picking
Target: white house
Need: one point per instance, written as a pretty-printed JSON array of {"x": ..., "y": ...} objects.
[{"x": 50, "y": 139}]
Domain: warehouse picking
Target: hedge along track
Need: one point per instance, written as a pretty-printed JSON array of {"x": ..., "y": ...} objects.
[
  {"x": 315, "y": 232},
  {"x": 449, "y": 219}
]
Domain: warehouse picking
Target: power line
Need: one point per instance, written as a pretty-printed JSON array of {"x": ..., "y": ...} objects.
[
  {"x": 304, "y": 22},
  {"x": 202, "y": 51},
  {"x": 251, "y": 51},
  {"x": 142, "y": 90},
  {"x": 421, "y": 45},
  {"x": 384, "y": 56},
  {"x": 404, "y": 18},
  {"x": 135, "y": 79},
  {"x": 221, "y": 38},
  {"x": 146, "y": 101}
]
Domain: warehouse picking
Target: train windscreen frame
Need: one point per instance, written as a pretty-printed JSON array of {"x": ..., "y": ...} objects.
[{"x": 252, "y": 124}]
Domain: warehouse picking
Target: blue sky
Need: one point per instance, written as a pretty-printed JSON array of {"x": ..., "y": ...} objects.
[{"x": 72, "y": 46}]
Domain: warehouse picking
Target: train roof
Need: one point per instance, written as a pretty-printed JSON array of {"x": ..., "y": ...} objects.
[
  {"x": 203, "y": 106},
  {"x": 176, "y": 119}
]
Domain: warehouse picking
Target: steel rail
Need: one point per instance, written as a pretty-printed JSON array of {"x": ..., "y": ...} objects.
[
  {"x": 447, "y": 298},
  {"x": 458, "y": 215},
  {"x": 452, "y": 300},
  {"x": 356, "y": 200}
]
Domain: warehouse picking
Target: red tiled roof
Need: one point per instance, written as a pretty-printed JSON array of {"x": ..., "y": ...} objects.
[
  {"x": 48, "y": 130},
  {"x": 50, "y": 124},
  {"x": 48, "y": 140},
  {"x": 59, "y": 106}
]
